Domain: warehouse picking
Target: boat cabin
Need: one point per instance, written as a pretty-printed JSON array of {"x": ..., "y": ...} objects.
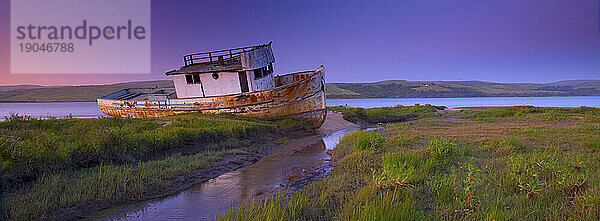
[{"x": 225, "y": 72}]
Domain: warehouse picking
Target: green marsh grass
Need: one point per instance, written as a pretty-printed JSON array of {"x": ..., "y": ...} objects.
[
  {"x": 593, "y": 143},
  {"x": 103, "y": 183},
  {"x": 516, "y": 163},
  {"x": 386, "y": 114},
  {"x": 368, "y": 140},
  {"x": 29, "y": 147},
  {"x": 62, "y": 163}
]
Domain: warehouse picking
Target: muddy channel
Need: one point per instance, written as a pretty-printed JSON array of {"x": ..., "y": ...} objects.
[{"x": 294, "y": 164}]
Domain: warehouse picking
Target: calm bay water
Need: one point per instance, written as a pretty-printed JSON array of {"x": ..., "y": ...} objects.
[
  {"x": 55, "y": 109},
  {"x": 590, "y": 101},
  {"x": 90, "y": 109}
]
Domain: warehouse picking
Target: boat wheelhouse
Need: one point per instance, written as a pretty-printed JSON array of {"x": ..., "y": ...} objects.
[
  {"x": 239, "y": 81},
  {"x": 225, "y": 72}
]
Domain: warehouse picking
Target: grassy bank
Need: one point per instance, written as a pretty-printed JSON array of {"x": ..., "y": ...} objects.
[
  {"x": 55, "y": 164},
  {"x": 386, "y": 114},
  {"x": 516, "y": 163}
]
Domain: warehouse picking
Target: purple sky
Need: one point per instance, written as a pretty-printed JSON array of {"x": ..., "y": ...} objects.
[{"x": 361, "y": 41}]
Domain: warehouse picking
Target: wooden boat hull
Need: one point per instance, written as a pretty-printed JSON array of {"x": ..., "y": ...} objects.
[{"x": 299, "y": 95}]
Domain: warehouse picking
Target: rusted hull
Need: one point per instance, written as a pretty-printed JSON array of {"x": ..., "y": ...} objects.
[{"x": 301, "y": 95}]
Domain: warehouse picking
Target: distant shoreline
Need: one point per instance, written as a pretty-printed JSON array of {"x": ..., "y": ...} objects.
[
  {"x": 361, "y": 98},
  {"x": 462, "y": 97},
  {"x": 382, "y": 89}
]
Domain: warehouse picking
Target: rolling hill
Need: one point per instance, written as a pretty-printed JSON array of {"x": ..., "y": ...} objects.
[
  {"x": 70, "y": 93},
  {"x": 400, "y": 88},
  {"x": 381, "y": 89}
]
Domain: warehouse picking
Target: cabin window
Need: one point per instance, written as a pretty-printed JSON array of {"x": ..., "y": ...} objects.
[
  {"x": 264, "y": 71},
  {"x": 258, "y": 73},
  {"x": 192, "y": 78},
  {"x": 215, "y": 76}
]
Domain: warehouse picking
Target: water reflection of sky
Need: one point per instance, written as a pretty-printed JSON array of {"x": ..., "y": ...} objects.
[{"x": 590, "y": 101}]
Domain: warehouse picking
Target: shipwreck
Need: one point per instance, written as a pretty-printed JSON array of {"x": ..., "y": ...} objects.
[{"x": 238, "y": 81}]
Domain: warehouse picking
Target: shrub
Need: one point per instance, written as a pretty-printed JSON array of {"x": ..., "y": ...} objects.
[
  {"x": 492, "y": 115},
  {"x": 386, "y": 114},
  {"x": 399, "y": 140},
  {"x": 590, "y": 113},
  {"x": 593, "y": 143},
  {"x": 587, "y": 207},
  {"x": 398, "y": 170},
  {"x": 466, "y": 191},
  {"x": 505, "y": 146},
  {"x": 388, "y": 209},
  {"x": 443, "y": 187},
  {"x": 593, "y": 129},
  {"x": 555, "y": 115},
  {"x": 441, "y": 148},
  {"x": 17, "y": 117},
  {"x": 293, "y": 124},
  {"x": 368, "y": 140},
  {"x": 545, "y": 173}
]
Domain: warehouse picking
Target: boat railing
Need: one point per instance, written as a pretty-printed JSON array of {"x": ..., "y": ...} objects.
[{"x": 218, "y": 55}]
